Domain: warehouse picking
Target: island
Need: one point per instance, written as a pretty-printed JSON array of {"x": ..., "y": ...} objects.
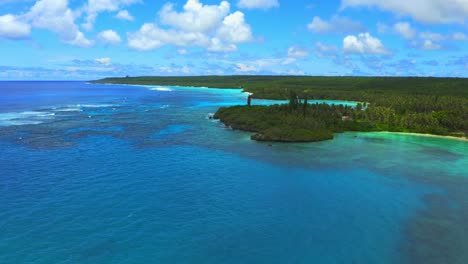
[{"x": 427, "y": 105}]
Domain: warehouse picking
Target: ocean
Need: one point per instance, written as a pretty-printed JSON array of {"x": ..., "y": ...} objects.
[{"x": 93, "y": 173}]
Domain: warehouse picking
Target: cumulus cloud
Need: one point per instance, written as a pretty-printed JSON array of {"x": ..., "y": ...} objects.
[
  {"x": 426, "y": 11},
  {"x": 265, "y": 65},
  {"x": 241, "y": 67},
  {"x": 175, "y": 70},
  {"x": 404, "y": 29},
  {"x": 124, "y": 15},
  {"x": 54, "y": 15},
  {"x": 217, "y": 45},
  {"x": 296, "y": 72},
  {"x": 335, "y": 25},
  {"x": 261, "y": 4},
  {"x": 297, "y": 52},
  {"x": 459, "y": 36},
  {"x": 12, "y": 27},
  {"x": 97, "y": 69},
  {"x": 151, "y": 37},
  {"x": 196, "y": 17},
  {"x": 363, "y": 43},
  {"x": 323, "y": 50},
  {"x": 40, "y": 73},
  {"x": 80, "y": 40},
  {"x": 104, "y": 61},
  {"x": 430, "y": 45},
  {"x": 109, "y": 37},
  {"x": 234, "y": 29},
  {"x": 94, "y": 7},
  {"x": 427, "y": 44},
  {"x": 207, "y": 26},
  {"x": 148, "y": 37},
  {"x": 432, "y": 36}
]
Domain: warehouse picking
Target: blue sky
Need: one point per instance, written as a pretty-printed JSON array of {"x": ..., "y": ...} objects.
[{"x": 88, "y": 39}]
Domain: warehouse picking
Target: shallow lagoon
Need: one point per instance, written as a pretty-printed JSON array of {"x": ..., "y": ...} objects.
[{"x": 127, "y": 174}]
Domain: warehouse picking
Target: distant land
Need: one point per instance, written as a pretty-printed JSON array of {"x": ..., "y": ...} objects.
[{"x": 427, "y": 105}]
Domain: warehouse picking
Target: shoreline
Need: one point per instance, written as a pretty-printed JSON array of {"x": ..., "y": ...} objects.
[
  {"x": 420, "y": 135},
  {"x": 220, "y": 88},
  {"x": 249, "y": 93}
]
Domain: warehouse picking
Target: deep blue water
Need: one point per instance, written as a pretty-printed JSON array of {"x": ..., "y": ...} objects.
[{"x": 139, "y": 174}]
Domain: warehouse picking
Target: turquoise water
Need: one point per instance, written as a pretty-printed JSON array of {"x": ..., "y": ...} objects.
[{"x": 128, "y": 174}]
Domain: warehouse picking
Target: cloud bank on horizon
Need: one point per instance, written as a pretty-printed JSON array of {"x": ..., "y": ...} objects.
[{"x": 88, "y": 39}]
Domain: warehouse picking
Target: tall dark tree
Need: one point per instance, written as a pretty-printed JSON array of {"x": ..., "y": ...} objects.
[
  {"x": 293, "y": 100},
  {"x": 304, "y": 109}
]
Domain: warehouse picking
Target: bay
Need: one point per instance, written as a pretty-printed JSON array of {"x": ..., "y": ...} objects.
[{"x": 140, "y": 174}]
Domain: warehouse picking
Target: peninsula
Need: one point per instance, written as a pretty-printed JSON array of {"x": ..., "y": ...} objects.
[{"x": 437, "y": 106}]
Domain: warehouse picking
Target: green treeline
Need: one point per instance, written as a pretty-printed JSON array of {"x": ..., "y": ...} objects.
[
  {"x": 340, "y": 88},
  {"x": 284, "y": 122},
  {"x": 404, "y": 104},
  {"x": 299, "y": 121}
]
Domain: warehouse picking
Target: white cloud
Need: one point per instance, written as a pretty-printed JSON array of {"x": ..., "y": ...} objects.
[
  {"x": 241, "y": 67},
  {"x": 404, "y": 29},
  {"x": 296, "y": 72},
  {"x": 363, "y": 43},
  {"x": 336, "y": 25},
  {"x": 426, "y": 44},
  {"x": 94, "y": 7},
  {"x": 54, "y": 15},
  {"x": 429, "y": 45},
  {"x": 262, "y": 4},
  {"x": 288, "y": 61},
  {"x": 325, "y": 48},
  {"x": 148, "y": 37},
  {"x": 432, "y": 36},
  {"x": 109, "y": 37},
  {"x": 151, "y": 37},
  {"x": 196, "y": 17},
  {"x": 297, "y": 52},
  {"x": 182, "y": 51},
  {"x": 234, "y": 29},
  {"x": 217, "y": 45},
  {"x": 272, "y": 65},
  {"x": 459, "y": 36},
  {"x": 80, "y": 40},
  {"x": 104, "y": 61},
  {"x": 72, "y": 69},
  {"x": 124, "y": 15},
  {"x": 322, "y": 50},
  {"x": 13, "y": 28},
  {"x": 207, "y": 26},
  {"x": 175, "y": 70},
  {"x": 426, "y": 11}
]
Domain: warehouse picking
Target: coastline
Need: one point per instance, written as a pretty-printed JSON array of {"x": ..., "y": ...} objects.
[
  {"x": 118, "y": 81},
  {"x": 421, "y": 135}
]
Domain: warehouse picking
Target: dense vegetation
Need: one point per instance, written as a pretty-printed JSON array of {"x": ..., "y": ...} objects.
[
  {"x": 407, "y": 104},
  {"x": 286, "y": 123}
]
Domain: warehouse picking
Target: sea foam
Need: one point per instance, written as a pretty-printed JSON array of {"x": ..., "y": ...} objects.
[
  {"x": 161, "y": 89},
  {"x": 68, "y": 109},
  {"x": 94, "y": 105},
  {"x": 24, "y": 118}
]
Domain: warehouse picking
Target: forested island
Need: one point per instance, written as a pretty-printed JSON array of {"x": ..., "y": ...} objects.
[{"x": 437, "y": 106}]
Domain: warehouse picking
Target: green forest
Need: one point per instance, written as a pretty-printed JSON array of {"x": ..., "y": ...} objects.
[{"x": 400, "y": 104}]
